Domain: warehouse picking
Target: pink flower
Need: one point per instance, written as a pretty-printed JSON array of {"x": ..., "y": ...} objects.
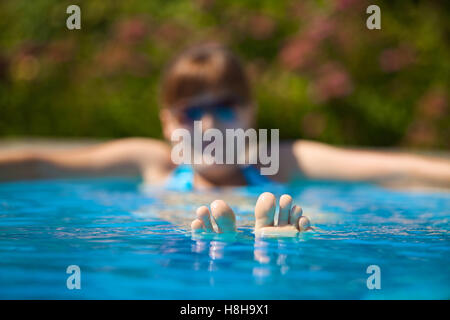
[
  {"x": 132, "y": 31},
  {"x": 297, "y": 53},
  {"x": 116, "y": 58},
  {"x": 320, "y": 28},
  {"x": 434, "y": 103},
  {"x": 61, "y": 50},
  {"x": 260, "y": 26},
  {"x": 205, "y": 4},
  {"x": 395, "y": 59},
  {"x": 421, "y": 134},
  {"x": 333, "y": 81},
  {"x": 346, "y": 4},
  {"x": 170, "y": 33}
]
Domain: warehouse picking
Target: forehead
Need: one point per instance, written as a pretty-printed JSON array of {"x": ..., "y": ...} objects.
[{"x": 210, "y": 99}]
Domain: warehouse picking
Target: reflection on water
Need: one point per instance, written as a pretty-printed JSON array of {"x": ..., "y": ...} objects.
[{"x": 133, "y": 244}]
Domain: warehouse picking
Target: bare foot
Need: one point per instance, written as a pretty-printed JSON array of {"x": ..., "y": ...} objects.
[
  {"x": 222, "y": 214},
  {"x": 290, "y": 219}
]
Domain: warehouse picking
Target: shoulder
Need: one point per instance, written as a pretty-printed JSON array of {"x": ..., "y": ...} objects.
[
  {"x": 287, "y": 161},
  {"x": 153, "y": 157},
  {"x": 292, "y": 154}
]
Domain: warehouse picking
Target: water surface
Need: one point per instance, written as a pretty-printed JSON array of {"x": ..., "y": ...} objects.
[{"x": 132, "y": 243}]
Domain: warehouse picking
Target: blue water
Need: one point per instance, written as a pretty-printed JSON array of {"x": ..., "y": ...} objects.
[{"x": 132, "y": 243}]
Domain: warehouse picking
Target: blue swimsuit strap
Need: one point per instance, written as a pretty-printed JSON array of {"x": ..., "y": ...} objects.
[
  {"x": 253, "y": 176},
  {"x": 182, "y": 178}
]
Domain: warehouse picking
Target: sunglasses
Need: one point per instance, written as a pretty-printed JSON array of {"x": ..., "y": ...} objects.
[{"x": 223, "y": 110}]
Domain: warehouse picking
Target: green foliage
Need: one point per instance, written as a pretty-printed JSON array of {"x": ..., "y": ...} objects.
[{"x": 317, "y": 71}]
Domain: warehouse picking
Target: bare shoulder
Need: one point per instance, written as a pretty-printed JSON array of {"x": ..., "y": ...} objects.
[
  {"x": 153, "y": 157},
  {"x": 288, "y": 161},
  {"x": 294, "y": 157}
]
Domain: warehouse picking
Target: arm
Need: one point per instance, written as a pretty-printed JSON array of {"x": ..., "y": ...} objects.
[
  {"x": 321, "y": 161},
  {"x": 131, "y": 156}
]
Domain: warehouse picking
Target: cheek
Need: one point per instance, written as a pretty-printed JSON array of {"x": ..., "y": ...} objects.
[
  {"x": 243, "y": 120},
  {"x": 179, "y": 125},
  {"x": 170, "y": 128}
]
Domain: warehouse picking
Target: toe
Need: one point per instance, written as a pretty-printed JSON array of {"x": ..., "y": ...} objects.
[
  {"x": 304, "y": 223},
  {"x": 224, "y": 216},
  {"x": 295, "y": 214},
  {"x": 197, "y": 226},
  {"x": 265, "y": 210},
  {"x": 285, "y": 208},
  {"x": 204, "y": 215}
]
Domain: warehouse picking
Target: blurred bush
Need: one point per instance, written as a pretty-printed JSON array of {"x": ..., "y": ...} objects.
[{"x": 318, "y": 72}]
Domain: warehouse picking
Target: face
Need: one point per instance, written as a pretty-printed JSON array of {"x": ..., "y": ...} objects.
[{"x": 219, "y": 112}]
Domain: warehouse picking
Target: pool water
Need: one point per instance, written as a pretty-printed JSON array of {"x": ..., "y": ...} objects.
[{"x": 134, "y": 243}]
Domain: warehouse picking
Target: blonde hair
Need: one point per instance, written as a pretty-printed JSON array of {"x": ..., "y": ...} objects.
[{"x": 205, "y": 69}]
